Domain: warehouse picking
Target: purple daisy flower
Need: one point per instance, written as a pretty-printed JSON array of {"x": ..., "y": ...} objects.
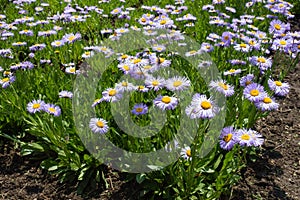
[
  {"x": 267, "y": 104},
  {"x": 237, "y": 62},
  {"x": 201, "y": 107},
  {"x": 35, "y": 106},
  {"x": 222, "y": 87},
  {"x": 98, "y": 125},
  {"x": 243, "y": 138},
  {"x": 254, "y": 92},
  {"x": 37, "y": 47},
  {"x": 52, "y": 109},
  {"x": 165, "y": 102},
  {"x": 139, "y": 109},
  {"x": 5, "y": 82},
  {"x": 226, "y": 38},
  {"x": 277, "y": 26},
  {"x": 261, "y": 62},
  {"x": 65, "y": 94},
  {"x": 71, "y": 38},
  {"x": 111, "y": 95},
  {"x": 227, "y": 138},
  {"x": 155, "y": 83},
  {"x": 246, "y": 80},
  {"x": 279, "y": 88}
]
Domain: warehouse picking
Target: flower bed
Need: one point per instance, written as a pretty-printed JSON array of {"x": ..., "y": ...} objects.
[{"x": 168, "y": 93}]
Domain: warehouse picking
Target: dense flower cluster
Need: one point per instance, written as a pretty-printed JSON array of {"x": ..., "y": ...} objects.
[{"x": 246, "y": 74}]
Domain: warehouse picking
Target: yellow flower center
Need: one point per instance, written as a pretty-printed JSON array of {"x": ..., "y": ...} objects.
[
  {"x": 143, "y": 20},
  {"x": 188, "y": 153},
  {"x": 162, "y": 22},
  {"x": 282, "y": 42},
  {"x": 141, "y": 87},
  {"x": 177, "y": 83},
  {"x": 124, "y": 84},
  {"x": 52, "y": 110},
  {"x": 147, "y": 67},
  {"x": 6, "y": 72},
  {"x": 139, "y": 110},
  {"x": 72, "y": 69},
  {"x": 71, "y": 38},
  {"x": 261, "y": 60},
  {"x": 245, "y": 137},
  {"x": 277, "y": 26},
  {"x": 155, "y": 83},
  {"x": 267, "y": 100},
  {"x": 116, "y": 10},
  {"x": 223, "y": 85},
  {"x": 112, "y": 92},
  {"x": 100, "y": 124},
  {"x": 126, "y": 67},
  {"x": 124, "y": 56},
  {"x": 243, "y": 45},
  {"x": 205, "y": 105},
  {"x": 166, "y": 99},
  {"x": 192, "y": 52},
  {"x": 36, "y": 106},
  {"x": 278, "y": 83},
  {"x": 161, "y": 60},
  {"x": 227, "y": 137},
  {"x": 254, "y": 92},
  {"x": 251, "y": 42},
  {"x": 135, "y": 61},
  {"x": 232, "y": 70},
  {"x": 226, "y": 37},
  {"x": 5, "y": 80}
]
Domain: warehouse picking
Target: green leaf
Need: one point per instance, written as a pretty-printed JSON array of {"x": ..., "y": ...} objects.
[{"x": 140, "y": 178}]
